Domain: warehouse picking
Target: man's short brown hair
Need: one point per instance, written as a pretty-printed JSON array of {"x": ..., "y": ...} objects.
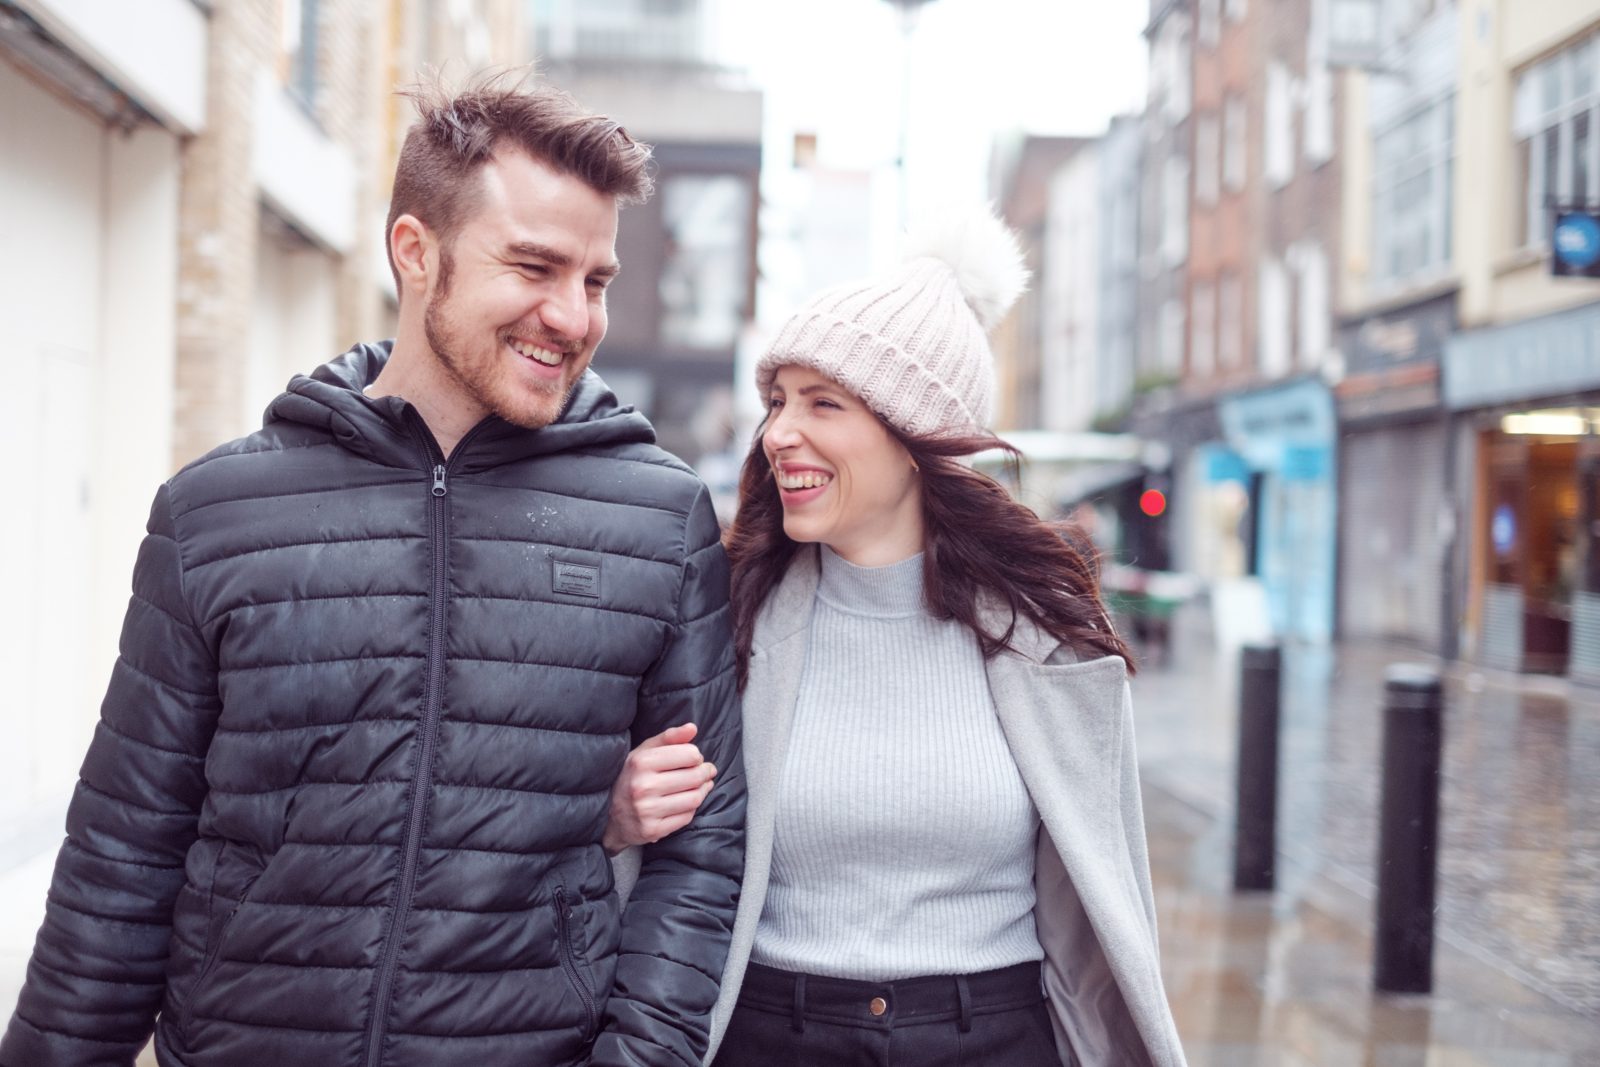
[{"x": 457, "y": 133}]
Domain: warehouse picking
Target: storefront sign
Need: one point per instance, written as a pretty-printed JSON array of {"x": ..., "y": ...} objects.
[
  {"x": 1263, "y": 426},
  {"x": 1415, "y": 333},
  {"x": 1306, "y": 464},
  {"x": 1575, "y": 245},
  {"x": 1225, "y": 466},
  {"x": 1404, "y": 390},
  {"x": 1554, "y": 355}
]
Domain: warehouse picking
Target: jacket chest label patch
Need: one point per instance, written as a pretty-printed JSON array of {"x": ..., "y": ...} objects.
[{"x": 576, "y": 579}]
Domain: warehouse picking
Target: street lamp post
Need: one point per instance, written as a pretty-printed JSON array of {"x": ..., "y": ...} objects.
[{"x": 909, "y": 10}]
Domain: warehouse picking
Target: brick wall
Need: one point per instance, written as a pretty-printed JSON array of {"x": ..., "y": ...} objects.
[{"x": 219, "y": 225}]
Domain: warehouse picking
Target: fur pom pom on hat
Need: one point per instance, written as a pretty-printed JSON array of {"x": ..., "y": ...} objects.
[{"x": 914, "y": 344}]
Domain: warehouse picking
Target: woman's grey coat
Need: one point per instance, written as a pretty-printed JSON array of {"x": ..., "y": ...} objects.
[{"x": 1070, "y": 729}]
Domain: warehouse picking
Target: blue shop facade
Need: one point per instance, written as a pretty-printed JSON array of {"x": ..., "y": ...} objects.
[{"x": 1283, "y": 442}]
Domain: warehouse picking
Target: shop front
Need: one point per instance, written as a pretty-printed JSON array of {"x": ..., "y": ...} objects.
[
  {"x": 1395, "y": 520},
  {"x": 1285, "y": 437},
  {"x": 1529, "y": 468}
]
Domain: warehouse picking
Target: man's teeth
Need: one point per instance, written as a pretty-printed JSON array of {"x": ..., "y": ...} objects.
[
  {"x": 804, "y": 480},
  {"x": 540, "y": 355}
]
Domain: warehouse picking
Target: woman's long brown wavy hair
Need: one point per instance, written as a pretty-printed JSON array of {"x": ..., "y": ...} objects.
[{"x": 978, "y": 539}]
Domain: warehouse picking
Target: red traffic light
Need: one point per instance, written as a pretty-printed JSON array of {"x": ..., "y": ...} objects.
[{"x": 1152, "y": 502}]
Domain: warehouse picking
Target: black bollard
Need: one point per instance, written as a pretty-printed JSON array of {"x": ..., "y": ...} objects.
[
  {"x": 1408, "y": 842},
  {"x": 1256, "y": 813}
]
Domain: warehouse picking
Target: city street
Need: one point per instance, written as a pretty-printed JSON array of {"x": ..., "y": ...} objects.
[{"x": 1285, "y": 978}]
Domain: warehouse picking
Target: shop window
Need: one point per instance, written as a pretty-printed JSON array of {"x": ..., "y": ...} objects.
[
  {"x": 1318, "y": 134},
  {"x": 1230, "y": 321},
  {"x": 705, "y": 280},
  {"x": 300, "y": 49},
  {"x": 1207, "y": 158},
  {"x": 1203, "y": 331},
  {"x": 1171, "y": 335},
  {"x": 1412, "y": 196},
  {"x": 1557, "y": 152},
  {"x": 1175, "y": 224},
  {"x": 1235, "y": 132},
  {"x": 1315, "y": 325},
  {"x": 1279, "y": 132},
  {"x": 1273, "y": 308},
  {"x": 1208, "y": 27}
]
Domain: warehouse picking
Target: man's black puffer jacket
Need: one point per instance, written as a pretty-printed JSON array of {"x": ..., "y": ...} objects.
[{"x": 344, "y": 805}]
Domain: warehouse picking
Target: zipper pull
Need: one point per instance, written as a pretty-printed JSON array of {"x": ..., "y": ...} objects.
[{"x": 438, "y": 480}]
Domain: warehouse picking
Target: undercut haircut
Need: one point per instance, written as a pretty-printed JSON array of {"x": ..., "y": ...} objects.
[{"x": 457, "y": 133}]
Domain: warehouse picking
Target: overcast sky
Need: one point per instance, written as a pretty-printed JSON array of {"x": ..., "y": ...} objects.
[{"x": 979, "y": 68}]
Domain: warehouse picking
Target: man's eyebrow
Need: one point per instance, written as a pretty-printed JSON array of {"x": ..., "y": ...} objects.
[{"x": 534, "y": 250}]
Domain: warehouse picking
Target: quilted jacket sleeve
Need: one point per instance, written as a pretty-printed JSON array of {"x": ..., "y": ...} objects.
[
  {"x": 679, "y": 918},
  {"x": 97, "y": 975}
]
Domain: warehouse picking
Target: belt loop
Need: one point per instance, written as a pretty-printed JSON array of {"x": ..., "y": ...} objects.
[
  {"x": 799, "y": 1019},
  {"x": 964, "y": 995}
]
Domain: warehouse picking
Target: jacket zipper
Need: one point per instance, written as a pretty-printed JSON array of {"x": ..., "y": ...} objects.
[
  {"x": 569, "y": 958},
  {"x": 422, "y": 783}
]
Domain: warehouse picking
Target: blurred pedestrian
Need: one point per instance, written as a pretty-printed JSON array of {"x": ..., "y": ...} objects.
[
  {"x": 946, "y": 854},
  {"x": 367, "y": 744}
]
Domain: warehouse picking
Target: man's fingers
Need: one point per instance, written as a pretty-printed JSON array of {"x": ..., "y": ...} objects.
[
  {"x": 667, "y": 758},
  {"x": 672, "y": 735},
  {"x": 669, "y": 783},
  {"x": 673, "y": 804}
]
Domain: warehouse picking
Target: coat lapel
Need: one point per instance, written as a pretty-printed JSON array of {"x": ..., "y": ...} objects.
[
  {"x": 1064, "y": 722},
  {"x": 776, "y": 664}
]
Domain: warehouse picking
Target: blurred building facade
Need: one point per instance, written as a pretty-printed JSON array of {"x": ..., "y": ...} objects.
[
  {"x": 685, "y": 300},
  {"x": 1279, "y": 137},
  {"x": 196, "y": 194},
  {"x": 1021, "y": 171},
  {"x": 1522, "y": 373},
  {"x": 94, "y": 119},
  {"x": 1399, "y": 290},
  {"x": 1370, "y": 357},
  {"x": 1233, "y": 297}
]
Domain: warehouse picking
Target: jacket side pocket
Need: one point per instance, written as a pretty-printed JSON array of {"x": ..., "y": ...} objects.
[
  {"x": 215, "y": 934},
  {"x": 573, "y": 963}
]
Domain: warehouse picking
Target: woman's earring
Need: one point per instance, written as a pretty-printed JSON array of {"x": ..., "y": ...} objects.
[{"x": 914, "y": 468}]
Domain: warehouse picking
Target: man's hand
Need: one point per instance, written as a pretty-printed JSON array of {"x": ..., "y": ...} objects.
[{"x": 660, "y": 788}]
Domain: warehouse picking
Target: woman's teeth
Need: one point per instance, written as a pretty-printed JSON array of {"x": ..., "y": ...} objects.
[
  {"x": 537, "y": 354},
  {"x": 804, "y": 480}
]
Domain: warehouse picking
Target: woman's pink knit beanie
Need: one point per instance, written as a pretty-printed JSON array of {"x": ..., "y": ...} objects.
[{"x": 914, "y": 344}]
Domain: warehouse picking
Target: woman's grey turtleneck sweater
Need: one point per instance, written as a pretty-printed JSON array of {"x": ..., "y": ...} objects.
[{"x": 905, "y": 838}]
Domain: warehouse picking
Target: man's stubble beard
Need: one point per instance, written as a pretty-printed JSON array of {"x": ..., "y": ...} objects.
[{"x": 478, "y": 379}]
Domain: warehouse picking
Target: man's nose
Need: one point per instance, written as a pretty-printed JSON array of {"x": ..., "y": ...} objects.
[{"x": 565, "y": 312}]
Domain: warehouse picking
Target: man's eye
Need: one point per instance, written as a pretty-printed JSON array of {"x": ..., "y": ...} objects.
[{"x": 532, "y": 268}]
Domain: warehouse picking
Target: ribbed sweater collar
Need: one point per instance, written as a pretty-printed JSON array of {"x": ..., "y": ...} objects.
[{"x": 888, "y": 592}]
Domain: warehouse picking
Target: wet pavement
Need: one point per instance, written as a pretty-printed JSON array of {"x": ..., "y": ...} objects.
[{"x": 1285, "y": 978}]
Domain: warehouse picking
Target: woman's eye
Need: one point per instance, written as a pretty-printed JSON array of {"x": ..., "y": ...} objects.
[
  {"x": 821, "y": 403},
  {"x": 775, "y": 403}
]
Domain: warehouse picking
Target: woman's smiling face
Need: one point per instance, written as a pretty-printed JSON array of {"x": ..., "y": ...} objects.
[{"x": 844, "y": 480}]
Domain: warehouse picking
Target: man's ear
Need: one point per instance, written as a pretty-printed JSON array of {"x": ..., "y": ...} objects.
[{"x": 415, "y": 252}]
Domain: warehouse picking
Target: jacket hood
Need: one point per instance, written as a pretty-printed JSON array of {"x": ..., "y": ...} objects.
[{"x": 331, "y": 399}]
